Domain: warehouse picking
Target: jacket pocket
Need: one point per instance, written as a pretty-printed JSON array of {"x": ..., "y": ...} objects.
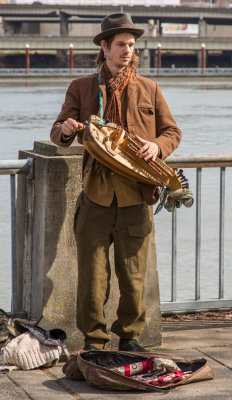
[
  {"x": 146, "y": 109},
  {"x": 146, "y": 121}
]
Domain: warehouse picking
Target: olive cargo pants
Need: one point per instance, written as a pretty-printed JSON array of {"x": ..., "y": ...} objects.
[{"x": 96, "y": 227}]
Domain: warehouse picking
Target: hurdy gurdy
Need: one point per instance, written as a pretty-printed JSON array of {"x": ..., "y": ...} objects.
[{"x": 116, "y": 149}]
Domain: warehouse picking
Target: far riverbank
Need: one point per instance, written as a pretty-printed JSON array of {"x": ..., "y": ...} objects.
[{"x": 152, "y": 73}]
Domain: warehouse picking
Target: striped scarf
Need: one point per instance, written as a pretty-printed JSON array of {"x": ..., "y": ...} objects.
[{"x": 115, "y": 87}]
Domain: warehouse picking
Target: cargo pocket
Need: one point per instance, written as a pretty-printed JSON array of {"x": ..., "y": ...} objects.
[
  {"x": 139, "y": 230},
  {"x": 81, "y": 215},
  {"x": 138, "y": 246}
]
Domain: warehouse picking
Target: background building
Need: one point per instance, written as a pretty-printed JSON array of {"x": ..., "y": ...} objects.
[
  {"x": 132, "y": 3},
  {"x": 206, "y": 3},
  {"x": 179, "y": 29}
]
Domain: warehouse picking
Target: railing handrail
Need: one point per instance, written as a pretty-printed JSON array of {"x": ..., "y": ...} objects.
[
  {"x": 191, "y": 160},
  {"x": 204, "y": 157},
  {"x": 13, "y": 164},
  {"x": 199, "y": 160},
  {"x": 143, "y": 71},
  {"x": 16, "y": 166}
]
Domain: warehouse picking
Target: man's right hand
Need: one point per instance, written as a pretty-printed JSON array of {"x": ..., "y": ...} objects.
[{"x": 70, "y": 125}]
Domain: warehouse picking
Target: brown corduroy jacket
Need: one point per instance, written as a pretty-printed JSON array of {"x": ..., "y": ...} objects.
[{"x": 148, "y": 114}]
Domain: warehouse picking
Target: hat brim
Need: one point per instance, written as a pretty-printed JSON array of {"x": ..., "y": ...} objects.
[{"x": 104, "y": 35}]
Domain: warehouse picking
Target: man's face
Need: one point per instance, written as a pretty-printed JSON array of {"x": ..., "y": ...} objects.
[{"x": 120, "y": 52}]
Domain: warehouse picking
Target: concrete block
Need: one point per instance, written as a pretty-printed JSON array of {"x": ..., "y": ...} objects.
[{"x": 47, "y": 255}]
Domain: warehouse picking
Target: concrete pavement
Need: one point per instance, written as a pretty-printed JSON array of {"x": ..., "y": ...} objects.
[{"x": 211, "y": 340}]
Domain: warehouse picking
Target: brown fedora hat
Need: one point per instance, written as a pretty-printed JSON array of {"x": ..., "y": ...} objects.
[{"x": 116, "y": 23}]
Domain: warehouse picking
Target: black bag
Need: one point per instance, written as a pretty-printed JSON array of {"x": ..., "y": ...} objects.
[
  {"x": 6, "y": 332},
  {"x": 42, "y": 329}
]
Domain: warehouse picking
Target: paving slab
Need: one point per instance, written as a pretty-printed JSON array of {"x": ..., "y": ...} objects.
[
  {"x": 189, "y": 338},
  {"x": 39, "y": 385},
  {"x": 10, "y": 390},
  {"x": 223, "y": 355}
]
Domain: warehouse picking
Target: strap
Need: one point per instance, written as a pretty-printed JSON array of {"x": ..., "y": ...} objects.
[
  {"x": 101, "y": 122},
  {"x": 66, "y": 352}
]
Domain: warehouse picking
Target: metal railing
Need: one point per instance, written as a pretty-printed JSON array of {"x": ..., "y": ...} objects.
[
  {"x": 197, "y": 162},
  {"x": 46, "y": 71},
  {"x": 13, "y": 167},
  {"x": 200, "y": 162},
  {"x": 186, "y": 71},
  {"x": 150, "y": 72}
]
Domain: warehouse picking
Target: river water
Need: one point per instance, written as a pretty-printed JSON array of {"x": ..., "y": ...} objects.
[{"x": 202, "y": 108}]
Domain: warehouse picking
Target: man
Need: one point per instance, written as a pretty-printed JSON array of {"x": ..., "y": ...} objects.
[{"x": 111, "y": 208}]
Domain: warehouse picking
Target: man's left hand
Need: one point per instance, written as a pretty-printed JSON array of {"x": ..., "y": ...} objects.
[{"x": 148, "y": 151}]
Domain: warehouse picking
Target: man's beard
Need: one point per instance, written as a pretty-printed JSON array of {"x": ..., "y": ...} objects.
[{"x": 121, "y": 64}]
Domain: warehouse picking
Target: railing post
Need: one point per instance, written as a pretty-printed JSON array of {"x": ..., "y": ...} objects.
[
  {"x": 221, "y": 232},
  {"x": 71, "y": 64},
  {"x": 14, "y": 307},
  {"x": 203, "y": 58},
  {"x": 27, "y": 58},
  {"x": 198, "y": 233},
  {"x": 159, "y": 60},
  {"x": 173, "y": 289}
]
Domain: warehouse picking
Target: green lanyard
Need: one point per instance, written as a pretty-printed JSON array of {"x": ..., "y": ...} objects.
[{"x": 101, "y": 122}]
